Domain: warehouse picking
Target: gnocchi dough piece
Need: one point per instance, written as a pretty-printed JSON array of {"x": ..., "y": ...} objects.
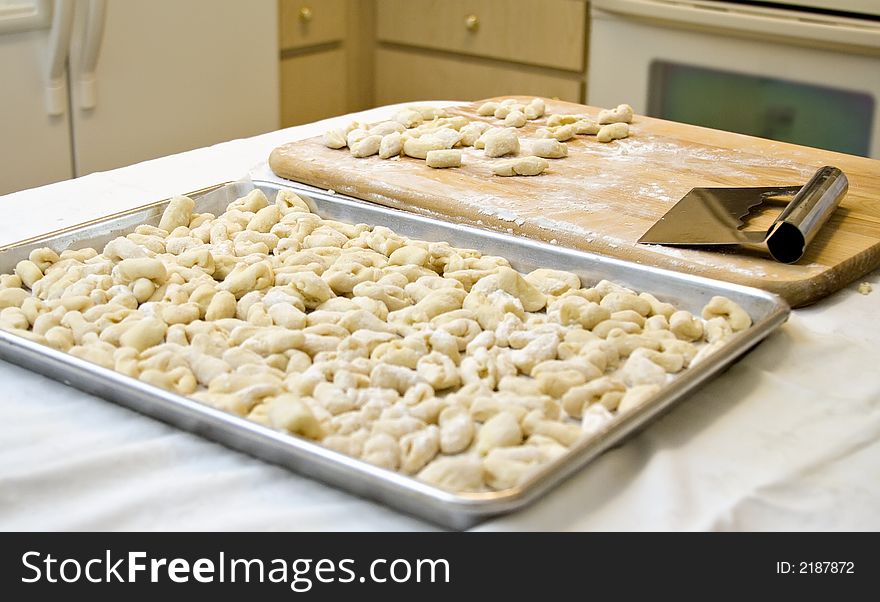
[
  {"x": 577, "y": 310},
  {"x": 586, "y": 127},
  {"x": 507, "y": 467},
  {"x": 501, "y": 430},
  {"x": 472, "y": 131},
  {"x": 177, "y": 213},
  {"x": 366, "y": 147},
  {"x": 130, "y": 270},
  {"x": 335, "y": 138},
  {"x": 418, "y": 448},
  {"x": 503, "y": 110},
  {"x": 623, "y": 113},
  {"x": 418, "y": 148},
  {"x": 558, "y": 119},
  {"x": 462, "y": 473},
  {"x": 28, "y": 272},
  {"x": 143, "y": 334},
  {"x": 513, "y": 283},
  {"x": 398, "y": 378},
  {"x": 427, "y": 112},
  {"x": 12, "y": 318},
  {"x": 501, "y": 142},
  {"x": 221, "y": 306},
  {"x": 539, "y": 349},
  {"x": 487, "y": 108},
  {"x": 263, "y": 221},
  {"x": 290, "y": 413},
  {"x": 560, "y": 133},
  {"x": 685, "y": 326},
  {"x": 616, "y": 301},
  {"x": 439, "y": 370},
  {"x": 639, "y": 370},
  {"x": 43, "y": 257},
  {"x": 456, "y": 429},
  {"x": 521, "y": 166},
  {"x": 548, "y": 148},
  {"x": 636, "y": 396},
  {"x": 448, "y": 136},
  {"x": 12, "y": 297},
  {"x": 579, "y": 398},
  {"x": 595, "y": 419},
  {"x": 251, "y": 202},
  {"x": 722, "y": 307},
  {"x": 480, "y": 143},
  {"x": 381, "y": 449},
  {"x": 439, "y": 159},
  {"x": 658, "y": 308},
  {"x": 612, "y": 131},
  {"x": 563, "y": 433},
  {"x": 717, "y": 330},
  {"x": 355, "y": 135},
  {"x": 535, "y": 109},
  {"x": 557, "y": 384},
  {"x": 515, "y": 118},
  {"x": 391, "y": 145},
  {"x": 553, "y": 282},
  {"x": 387, "y": 127},
  {"x": 409, "y": 117}
]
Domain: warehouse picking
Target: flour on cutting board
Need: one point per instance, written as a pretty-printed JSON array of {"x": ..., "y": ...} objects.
[
  {"x": 725, "y": 162},
  {"x": 655, "y": 191}
]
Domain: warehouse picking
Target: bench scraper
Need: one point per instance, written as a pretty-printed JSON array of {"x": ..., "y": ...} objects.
[{"x": 714, "y": 216}]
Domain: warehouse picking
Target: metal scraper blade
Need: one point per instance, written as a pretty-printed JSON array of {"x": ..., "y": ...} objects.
[{"x": 713, "y": 216}]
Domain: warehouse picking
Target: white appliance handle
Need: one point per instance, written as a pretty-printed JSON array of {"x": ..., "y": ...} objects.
[
  {"x": 94, "y": 35},
  {"x": 772, "y": 23},
  {"x": 59, "y": 42}
]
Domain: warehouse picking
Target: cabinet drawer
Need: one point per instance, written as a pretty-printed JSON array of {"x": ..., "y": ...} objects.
[
  {"x": 312, "y": 87},
  {"x": 307, "y": 23},
  {"x": 403, "y": 76},
  {"x": 540, "y": 32}
]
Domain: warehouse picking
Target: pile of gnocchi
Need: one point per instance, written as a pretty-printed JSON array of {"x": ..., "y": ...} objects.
[
  {"x": 419, "y": 357},
  {"x": 428, "y": 133}
]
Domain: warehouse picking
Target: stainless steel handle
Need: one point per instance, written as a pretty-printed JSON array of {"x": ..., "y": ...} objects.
[{"x": 807, "y": 212}]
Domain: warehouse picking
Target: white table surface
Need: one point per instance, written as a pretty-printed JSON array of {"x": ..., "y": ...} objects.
[{"x": 787, "y": 439}]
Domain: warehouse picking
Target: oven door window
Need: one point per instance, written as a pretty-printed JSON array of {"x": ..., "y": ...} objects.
[{"x": 822, "y": 117}]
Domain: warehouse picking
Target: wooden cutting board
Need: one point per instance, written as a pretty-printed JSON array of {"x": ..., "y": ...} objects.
[{"x": 603, "y": 197}]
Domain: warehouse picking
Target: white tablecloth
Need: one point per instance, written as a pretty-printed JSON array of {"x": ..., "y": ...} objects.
[{"x": 788, "y": 438}]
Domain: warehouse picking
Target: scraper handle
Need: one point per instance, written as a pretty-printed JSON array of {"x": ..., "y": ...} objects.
[{"x": 805, "y": 215}]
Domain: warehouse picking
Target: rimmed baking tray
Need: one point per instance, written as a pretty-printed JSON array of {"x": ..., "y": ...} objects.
[{"x": 455, "y": 510}]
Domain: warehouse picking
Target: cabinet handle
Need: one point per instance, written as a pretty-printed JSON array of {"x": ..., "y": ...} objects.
[
  {"x": 305, "y": 14},
  {"x": 472, "y": 22}
]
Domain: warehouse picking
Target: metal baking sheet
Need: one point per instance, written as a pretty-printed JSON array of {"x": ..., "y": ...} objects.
[{"x": 455, "y": 510}]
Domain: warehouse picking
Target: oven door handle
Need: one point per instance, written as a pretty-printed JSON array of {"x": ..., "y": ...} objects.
[{"x": 774, "y": 23}]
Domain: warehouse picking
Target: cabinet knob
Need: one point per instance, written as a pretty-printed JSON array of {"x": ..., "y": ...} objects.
[
  {"x": 305, "y": 14},
  {"x": 472, "y": 22}
]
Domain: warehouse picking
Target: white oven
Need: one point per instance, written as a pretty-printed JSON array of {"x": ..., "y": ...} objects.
[{"x": 802, "y": 71}]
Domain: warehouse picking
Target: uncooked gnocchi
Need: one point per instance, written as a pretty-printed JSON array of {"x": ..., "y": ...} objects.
[
  {"x": 501, "y": 142},
  {"x": 439, "y": 159},
  {"x": 521, "y": 166},
  {"x": 417, "y": 131},
  {"x": 612, "y": 131},
  {"x": 623, "y": 113},
  {"x": 414, "y": 356}
]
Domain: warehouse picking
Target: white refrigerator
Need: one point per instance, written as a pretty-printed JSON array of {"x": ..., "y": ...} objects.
[{"x": 90, "y": 85}]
